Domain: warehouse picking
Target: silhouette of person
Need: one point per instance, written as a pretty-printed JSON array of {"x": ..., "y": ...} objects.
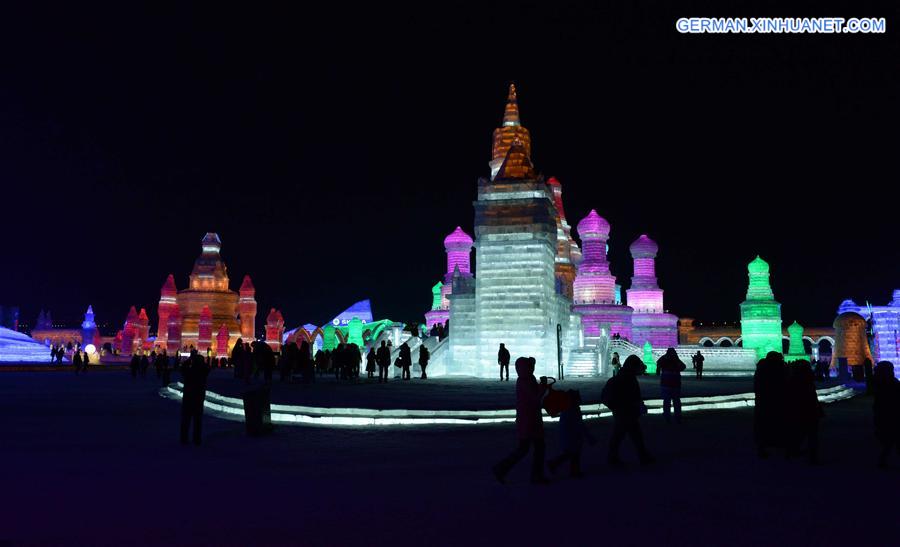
[
  {"x": 529, "y": 423},
  {"x": 371, "y": 363},
  {"x": 135, "y": 365},
  {"x": 572, "y": 432},
  {"x": 803, "y": 411},
  {"x": 670, "y": 368},
  {"x": 615, "y": 364},
  {"x": 237, "y": 358},
  {"x": 163, "y": 365},
  {"x": 383, "y": 357},
  {"x": 769, "y": 386},
  {"x": 405, "y": 360},
  {"x": 886, "y": 409},
  {"x": 697, "y": 360},
  {"x": 424, "y": 355},
  {"x": 194, "y": 372},
  {"x": 306, "y": 363},
  {"x": 145, "y": 364},
  {"x": 76, "y": 362},
  {"x": 503, "y": 361},
  {"x": 622, "y": 395}
]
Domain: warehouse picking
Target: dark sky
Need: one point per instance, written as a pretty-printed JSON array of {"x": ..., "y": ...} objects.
[{"x": 333, "y": 148}]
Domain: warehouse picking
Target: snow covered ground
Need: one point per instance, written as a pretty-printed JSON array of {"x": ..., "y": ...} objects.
[{"x": 95, "y": 460}]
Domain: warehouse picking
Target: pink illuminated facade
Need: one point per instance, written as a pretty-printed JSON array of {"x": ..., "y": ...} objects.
[
  {"x": 594, "y": 287},
  {"x": 173, "y": 328},
  {"x": 222, "y": 341},
  {"x": 650, "y": 322},
  {"x": 204, "y": 336}
]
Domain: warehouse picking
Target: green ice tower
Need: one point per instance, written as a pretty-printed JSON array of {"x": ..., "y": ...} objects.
[
  {"x": 796, "y": 352},
  {"x": 760, "y": 313},
  {"x": 649, "y": 362}
]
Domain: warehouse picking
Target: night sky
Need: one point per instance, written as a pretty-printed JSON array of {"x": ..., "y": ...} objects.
[{"x": 333, "y": 149}]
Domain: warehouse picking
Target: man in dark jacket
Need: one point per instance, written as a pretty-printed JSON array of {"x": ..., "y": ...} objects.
[
  {"x": 194, "y": 372},
  {"x": 622, "y": 395},
  {"x": 383, "y": 358},
  {"x": 503, "y": 361},
  {"x": 670, "y": 368}
]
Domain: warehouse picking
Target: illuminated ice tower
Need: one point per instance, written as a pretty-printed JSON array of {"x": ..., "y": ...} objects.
[
  {"x": 595, "y": 286},
  {"x": 247, "y": 309},
  {"x": 568, "y": 255},
  {"x": 649, "y": 322},
  {"x": 458, "y": 245},
  {"x": 167, "y": 301},
  {"x": 437, "y": 314},
  {"x": 516, "y": 301},
  {"x": 760, "y": 313},
  {"x": 88, "y": 327}
]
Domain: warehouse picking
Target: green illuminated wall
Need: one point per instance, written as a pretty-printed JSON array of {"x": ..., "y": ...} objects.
[{"x": 760, "y": 313}]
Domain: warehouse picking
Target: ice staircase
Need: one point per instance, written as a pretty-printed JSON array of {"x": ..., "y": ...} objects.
[{"x": 583, "y": 362}]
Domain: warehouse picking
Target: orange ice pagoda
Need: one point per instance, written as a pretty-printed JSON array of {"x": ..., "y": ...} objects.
[{"x": 207, "y": 296}]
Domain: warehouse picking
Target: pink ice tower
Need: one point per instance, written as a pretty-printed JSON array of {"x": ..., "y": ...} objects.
[
  {"x": 594, "y": 286},
  {"x": 458, "y": 246},
  {"x": 649, "y": 322}
]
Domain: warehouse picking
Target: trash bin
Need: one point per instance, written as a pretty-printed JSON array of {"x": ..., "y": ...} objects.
[{"x": 257, "y": 411}]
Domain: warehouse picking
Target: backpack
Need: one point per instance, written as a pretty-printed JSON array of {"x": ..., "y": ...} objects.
[{"x": 607, "y": 395}]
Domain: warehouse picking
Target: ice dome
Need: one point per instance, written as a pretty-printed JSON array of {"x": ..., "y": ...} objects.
[
  {"x": 643, "y": 247},
  {"x": 16, "y": 347},
  {"x": 758, "y": 265},
  {"x": 458, "y": 239},
  {"x": 593, "y": 225}
]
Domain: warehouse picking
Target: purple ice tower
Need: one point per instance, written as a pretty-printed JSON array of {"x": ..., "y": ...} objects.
[
  {"x": 649, "y": 322},
  {"x": 459, "y": 249},
  {"x": 595, "y": 286}
]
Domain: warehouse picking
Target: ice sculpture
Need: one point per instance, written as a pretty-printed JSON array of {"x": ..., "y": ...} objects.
[
  {"x": 885, "y": 327},
  {"x": 850, "y": 343},
  {"x": 796, "y": 352},
  {"x": 516, "y": 300},
  {"x": 222, "y": 341},
  {"x": 648, "y": 359},
  {"x": 649, "y": 322},
  {"x": 274, "y": 329},
  {"x": 173, "y": 329},
  {"x": 204, "y": 330},
  {"x": 167, "y": 300},
  {"x": 16, "y": 347},
  {"x": 760, "y": 313},
  {"x": 247, "y": 309},
  {"x": 568, "y": 254},
  {"x": 89, "y": 330},
  {"x": 594, "y": 286},
  {"x": 458, "y": 246}
]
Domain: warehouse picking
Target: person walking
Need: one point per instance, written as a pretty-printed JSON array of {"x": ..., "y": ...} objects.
[
  {"x": 195, "y": 372},
  {"x": 76, "y": 361},
  {"x": 503, "y": 361},
  {"x": 383, "y": 358},
  {"x": 529, "y": 423},
  {"x": 622, "y": 395},
  {"x": 670, "y": 368},
  {"x": 424, "y": 355},
  {"x": 697, "y": 360}
]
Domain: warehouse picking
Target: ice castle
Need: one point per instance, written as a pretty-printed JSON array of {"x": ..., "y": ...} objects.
[{"x": 524, "y": 255}]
